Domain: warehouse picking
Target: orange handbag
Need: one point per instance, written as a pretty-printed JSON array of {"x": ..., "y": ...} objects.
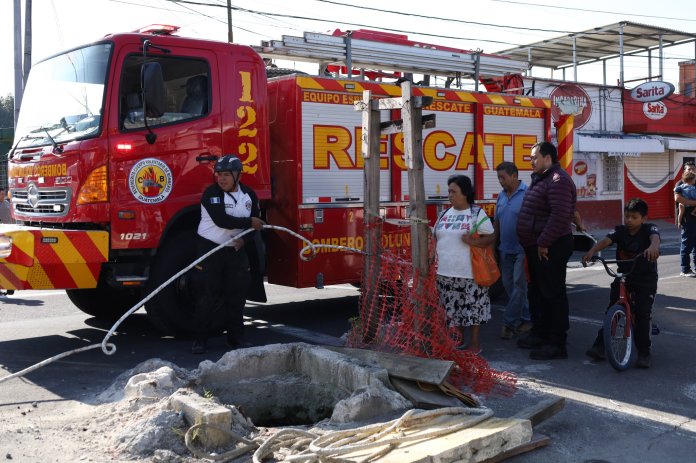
[{"x": 483, "y": 263}]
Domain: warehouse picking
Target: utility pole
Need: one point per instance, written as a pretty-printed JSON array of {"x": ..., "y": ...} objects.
[
  {"x": 230, "y": 34},
  {"x": 18, "y": 81},
  {"x": 27, "y": 41}
]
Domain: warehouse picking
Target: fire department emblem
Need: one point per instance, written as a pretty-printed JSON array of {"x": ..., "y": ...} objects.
[{"x": 150, "y": 181}]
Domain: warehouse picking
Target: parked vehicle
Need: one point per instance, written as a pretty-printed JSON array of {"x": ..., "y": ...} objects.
[{"x": 117, "y": 139}]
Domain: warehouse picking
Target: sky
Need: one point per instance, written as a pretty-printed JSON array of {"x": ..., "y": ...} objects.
[{"x": 489, "y": 25}]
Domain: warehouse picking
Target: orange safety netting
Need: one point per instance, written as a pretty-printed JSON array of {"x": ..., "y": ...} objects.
[{"x": 401, "y": 313}]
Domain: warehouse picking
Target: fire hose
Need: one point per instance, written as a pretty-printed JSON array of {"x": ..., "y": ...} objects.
[{"x": 307, "y": 253}]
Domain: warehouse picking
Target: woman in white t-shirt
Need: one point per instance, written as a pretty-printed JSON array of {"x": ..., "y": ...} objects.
[{"x": 466, "y": 303}]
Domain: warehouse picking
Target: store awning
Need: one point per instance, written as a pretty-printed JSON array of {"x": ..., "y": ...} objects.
[
  {"x": 620, "y": 144},
  {"x": 676, "y": 143}
]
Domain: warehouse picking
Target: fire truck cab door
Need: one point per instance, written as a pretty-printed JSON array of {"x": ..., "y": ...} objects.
[{"x": 187, "y": 140}]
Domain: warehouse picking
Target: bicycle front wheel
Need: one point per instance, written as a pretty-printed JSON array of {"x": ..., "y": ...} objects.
[{"x": 618, "y": 341}]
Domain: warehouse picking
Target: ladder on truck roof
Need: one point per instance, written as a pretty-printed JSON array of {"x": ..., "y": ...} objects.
[{"x": 361, "y": 53}]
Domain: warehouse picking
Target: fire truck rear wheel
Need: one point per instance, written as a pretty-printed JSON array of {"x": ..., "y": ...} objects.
[
  {"x": 104, "y": 302},
  {"x": 172, "y": 309}
]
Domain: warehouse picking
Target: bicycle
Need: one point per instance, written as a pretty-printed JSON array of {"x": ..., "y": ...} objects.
[{"x": 619, "y": 344}]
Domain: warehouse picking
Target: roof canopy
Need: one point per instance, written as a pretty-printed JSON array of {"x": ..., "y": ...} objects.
[{"x": 598, "y": 44}]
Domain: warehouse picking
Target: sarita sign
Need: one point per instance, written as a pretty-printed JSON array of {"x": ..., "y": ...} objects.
[{"x": 655, "y": 90}]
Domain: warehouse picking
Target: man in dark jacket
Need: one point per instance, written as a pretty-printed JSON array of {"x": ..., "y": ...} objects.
[{"x": 544, "y": 230}]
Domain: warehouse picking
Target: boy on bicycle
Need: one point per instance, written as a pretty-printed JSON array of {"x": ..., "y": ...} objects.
[{"x": 634, "y": 238}]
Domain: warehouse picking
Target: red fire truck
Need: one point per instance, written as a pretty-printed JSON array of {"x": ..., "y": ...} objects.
[{"x": 117, "y": 139}]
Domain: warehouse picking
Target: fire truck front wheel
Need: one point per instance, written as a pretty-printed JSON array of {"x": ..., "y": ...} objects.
[
  {"x": 104, "y": 302},
  {"x": 172, "y": 309}
]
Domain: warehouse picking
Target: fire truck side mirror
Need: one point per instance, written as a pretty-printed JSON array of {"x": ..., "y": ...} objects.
[{"x": 153, "y": 89}]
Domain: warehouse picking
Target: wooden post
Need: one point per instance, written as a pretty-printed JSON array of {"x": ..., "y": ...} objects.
[
  {"x": 413, "y": 156},
  {"x": 412, "y": 124},
  {"x": 371, "y": 219}
]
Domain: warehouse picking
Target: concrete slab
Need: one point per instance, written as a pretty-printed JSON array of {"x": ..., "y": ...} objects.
[{"x": 197, "y": 409}]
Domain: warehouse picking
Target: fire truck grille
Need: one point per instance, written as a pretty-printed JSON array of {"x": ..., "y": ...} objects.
[{"x": 46, "y": 202}]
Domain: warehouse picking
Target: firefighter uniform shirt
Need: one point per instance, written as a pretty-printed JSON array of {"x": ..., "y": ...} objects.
[{"x": 224, "y": 214}]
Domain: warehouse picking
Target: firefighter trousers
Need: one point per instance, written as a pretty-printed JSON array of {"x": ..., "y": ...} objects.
[{"x": 222, "y": 280}]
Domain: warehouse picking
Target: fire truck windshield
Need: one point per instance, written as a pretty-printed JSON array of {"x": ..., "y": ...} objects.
[{"x": 64, "y": 97}]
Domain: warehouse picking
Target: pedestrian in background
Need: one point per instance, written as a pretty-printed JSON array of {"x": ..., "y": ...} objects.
[
  {"x": 511, "y": 253},
  {"x": 466, "y": 303},
  {"x": 688, "y": 166},
  {"x": 544, "y": 230},
  {"x": 686, "y": 220},
  {"x": 5, "y": 207},
  {"x": 228, "y": 207},
  {"x": 634, "y": 238}
]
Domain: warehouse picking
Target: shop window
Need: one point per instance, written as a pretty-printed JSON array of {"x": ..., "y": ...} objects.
[{"x": 613, "y": 173}]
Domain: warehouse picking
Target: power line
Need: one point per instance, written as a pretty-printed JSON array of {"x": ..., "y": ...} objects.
[
  {"x": 461, "y": 21},
  {"x": 333, "y": 21},
  {"x": 270, "y": 14},
  {"x": 587, "y": 10}
]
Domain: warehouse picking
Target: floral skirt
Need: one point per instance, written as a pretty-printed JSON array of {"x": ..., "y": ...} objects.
[{"x": 465, "y": 302}]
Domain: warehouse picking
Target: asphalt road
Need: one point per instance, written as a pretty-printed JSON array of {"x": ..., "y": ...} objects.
[{"x": 638, "y": 415}]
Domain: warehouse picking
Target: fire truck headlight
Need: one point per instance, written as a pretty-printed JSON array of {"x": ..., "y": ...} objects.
[
  {"x": 94, "y": 189},
  {"x": 5, "y": 246}
]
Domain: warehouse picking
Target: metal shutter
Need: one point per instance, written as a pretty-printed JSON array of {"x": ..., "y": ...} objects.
[{"x": 648, "y": 177}]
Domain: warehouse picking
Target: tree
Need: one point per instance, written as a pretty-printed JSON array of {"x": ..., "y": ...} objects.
[{"x": 7, "y": 111}]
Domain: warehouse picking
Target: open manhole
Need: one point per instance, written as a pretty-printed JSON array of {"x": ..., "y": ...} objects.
[
  {"x": 281, "y": 400},
  {"x": 299, "y": 384}
]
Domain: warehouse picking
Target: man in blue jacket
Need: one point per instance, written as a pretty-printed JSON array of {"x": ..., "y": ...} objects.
[
  {"x": 544, "y": 230},
  {"x": 511, "y": 253}
]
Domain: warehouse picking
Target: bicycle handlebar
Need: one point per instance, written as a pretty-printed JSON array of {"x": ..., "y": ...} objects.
[{"x": 610, "y": 271}]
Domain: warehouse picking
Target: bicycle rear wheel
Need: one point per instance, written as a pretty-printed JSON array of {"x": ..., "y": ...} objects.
[{"x": 620, "y": 347}]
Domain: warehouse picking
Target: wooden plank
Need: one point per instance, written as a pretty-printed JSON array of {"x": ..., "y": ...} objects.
[
  {"x": 483, "y": 441},
  {"x": 397, "y": 103},
  {"x": 431, "y": 371},
  {"x": 538, "y": 440},
  {"x": 421, "y": 398},
  {"x": 397, "y": 125},
  {"x": 541, "y": 411}
]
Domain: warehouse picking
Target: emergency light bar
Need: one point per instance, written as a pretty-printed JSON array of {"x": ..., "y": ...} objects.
[{"x": 158, "y": 29}]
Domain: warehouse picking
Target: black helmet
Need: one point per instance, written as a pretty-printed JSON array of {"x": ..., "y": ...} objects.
[{"x": 228, "y": 163}]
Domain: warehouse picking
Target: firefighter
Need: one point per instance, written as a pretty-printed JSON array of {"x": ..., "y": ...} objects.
[{"x": 228, "y": 207}]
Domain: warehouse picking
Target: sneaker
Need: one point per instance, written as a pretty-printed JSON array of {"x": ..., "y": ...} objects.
[
  {"x": 596, "y": 352},
  {"x": 524, "y": 327},
  {"x": 549, "y": 352},
  {"x": 689, "y": 274},
  {"x": 643, "y": 361},
  {"x": 199, "y": 346},
  {"x": 531, "y": 341},
  {"x": 507, "y": 332}
]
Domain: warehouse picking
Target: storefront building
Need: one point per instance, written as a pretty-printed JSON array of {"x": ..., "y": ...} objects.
[
  {"x": 599, "y": 146},
  {"x": 623, "y": 147}
]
